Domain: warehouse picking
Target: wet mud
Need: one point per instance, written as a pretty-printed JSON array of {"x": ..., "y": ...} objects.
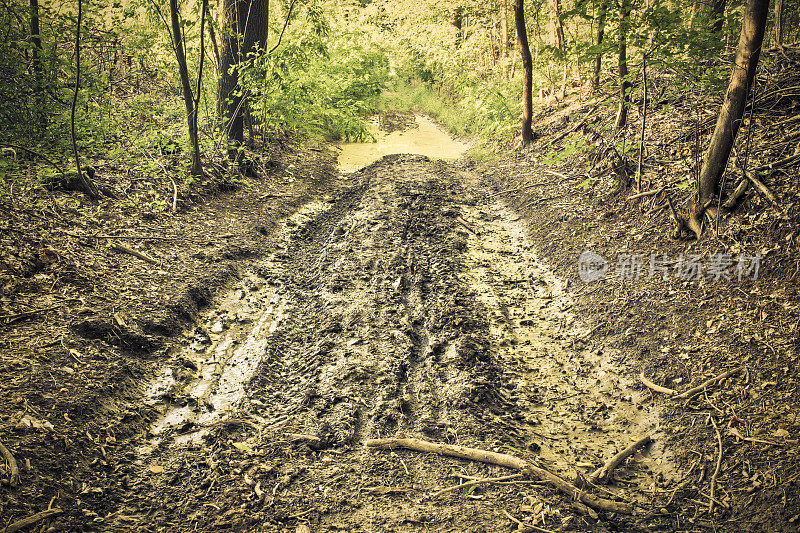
[{"x": 411, "y": 304}]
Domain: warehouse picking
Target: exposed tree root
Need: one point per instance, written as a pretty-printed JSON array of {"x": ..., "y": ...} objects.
[{"x": 13, "y": 479}]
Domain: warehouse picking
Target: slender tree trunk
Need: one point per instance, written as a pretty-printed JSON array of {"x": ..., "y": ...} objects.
[
  {"x": 624, "y": 82},
  {"x": 601, "y": 30},
  {"x": 718, "y": 15},
  {"x": 556, "y": 35},
  {"x": 212, "y": 34},
  {"x": 504, "y": 38},
  {"x": 527, "y": 80},
  {"x": 730, "y": 114},
  {"x": 38, "y": 77},
  {"x": 188, "y": 96},
  {"x": 86, "y": 181},
  {"x": 556, "y": 27},
  {"x": 778, "y": 22},
  {"x": 692, "y": 16},
  {"x": 245, "y": 23}
]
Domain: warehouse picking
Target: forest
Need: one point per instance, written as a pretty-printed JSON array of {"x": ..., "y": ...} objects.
[{"x": 393, "y": 265}]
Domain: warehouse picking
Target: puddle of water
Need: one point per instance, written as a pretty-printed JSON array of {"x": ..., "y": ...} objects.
[
  {"x": 581, "y": 406},
  {"x": 425, "y": 138}
]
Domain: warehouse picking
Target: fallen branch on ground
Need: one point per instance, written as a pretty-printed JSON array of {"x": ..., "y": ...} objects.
[
  {"x": 763, "y": 189},
  {"x": 646, "y": 193},
  {"x": 25, "y": 314},
  {"x": 602, "y": 474},
  {"x": 32, "y": 519},
  {"x": 690, "y": 393},
  {"x": 474, "y": 482},
  {"x": 711, "y": 499},
  {"x": 508, "y": 461},
  {"x": 120, "y": 248},
  {"x": 13, "y": 480},
  {"x": 658, "y": 388}
]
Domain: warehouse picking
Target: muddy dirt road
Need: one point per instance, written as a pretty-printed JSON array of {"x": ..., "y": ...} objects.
[
  {"x": 412, "y": 303},
  {"x": 234, "y": 384}
]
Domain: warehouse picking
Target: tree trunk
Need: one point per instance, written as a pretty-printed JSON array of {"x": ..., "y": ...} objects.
[
  {"x": 556, "y": 28},
  {"x": 86, "y": 181},
  {"x": 527, "y": 64},
  {"x": 718, "y": 15},
  {"x": 245, "y": 21},
  {"x": 556, "y": 35},
  {"x": 730, "y": 114},
  {"x": 778, "y": 22},
  {"x": 504, "y": 38},
  {"x": 188, "y": 97},
  {"x": 624, "y": 82},
  {"x": 38, "y": 77},
  {"x": 601, "y": 30},
  {"x": 692, "y": 16}
]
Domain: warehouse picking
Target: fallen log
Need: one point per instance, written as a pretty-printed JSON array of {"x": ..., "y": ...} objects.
[{"x": 508, "y": 461}]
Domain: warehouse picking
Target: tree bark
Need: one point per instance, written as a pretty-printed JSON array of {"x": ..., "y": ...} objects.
[
  {"x": 718, "y": 15},
  {"x": 86, "y": 181},
  {"x": 730, "y": 114},
  {"x": 246, "y": 25},
  {"x": 778, "y": 22},
  {"x": 556, "y": 27},
  {"x": 188, "y": 97},
  {"x": 38, "y": 77},
  {"x": 624, "y": 82},
  {"x": 527, "y": 64},
  {"x": 601, "y": 30}
]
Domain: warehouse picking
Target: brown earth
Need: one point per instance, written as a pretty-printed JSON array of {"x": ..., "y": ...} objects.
[{"x": 231, "y": 385}]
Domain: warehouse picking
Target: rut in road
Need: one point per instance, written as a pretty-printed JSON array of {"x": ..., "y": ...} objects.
[{"x": 407, "y": 306}]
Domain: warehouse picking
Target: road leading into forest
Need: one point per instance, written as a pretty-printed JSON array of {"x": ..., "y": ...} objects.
[{"x": 411, "y": 304}]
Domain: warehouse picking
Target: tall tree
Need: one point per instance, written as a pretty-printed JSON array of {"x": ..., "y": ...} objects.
[
  {"x": 601, "y": 30},
  {"x": 778, "y": 11},
  {"x": 245, "y": 31},
  {"x": 730, "y": 114},
  {"x": 624, "y": 82},
  {"x": 86, "y": 180},
  {"x": 718, "y": 15},
  {"x": 183, "y": 70},
  {"x": 38, "y": 76},
  {"x": 527, "y": 64}
]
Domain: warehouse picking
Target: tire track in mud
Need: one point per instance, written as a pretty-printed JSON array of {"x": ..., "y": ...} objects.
[{"x": 402, "y": 307}]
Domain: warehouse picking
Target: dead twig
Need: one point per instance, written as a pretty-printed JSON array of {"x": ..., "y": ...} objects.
[
  {"x": 508, "y": 461},
  {"x": 120, "y": 248},
  {"x": 602, "y": 474},
  {"x": 700, "y": 388},
  {"x": 474, "y": 482},
  {"x": 711, "y": 499},
  {"x": 13, "y": 480},
  {"x": 763, "y": 189},
  {"x": 13, "y": 318},
  {"x": 658, "y": 388},
  {"x": 646, "y": 193},
  {"x": 174, "y": 191},
  {"x": 32, "y": 519},
  {"x": 690, "y": 393}
]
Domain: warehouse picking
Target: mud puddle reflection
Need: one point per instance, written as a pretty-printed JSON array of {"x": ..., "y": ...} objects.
[
  {"x": 423, "y": 137},
  {"x": 204, "y": 383},
  {"x": 581, "y": 407}
]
